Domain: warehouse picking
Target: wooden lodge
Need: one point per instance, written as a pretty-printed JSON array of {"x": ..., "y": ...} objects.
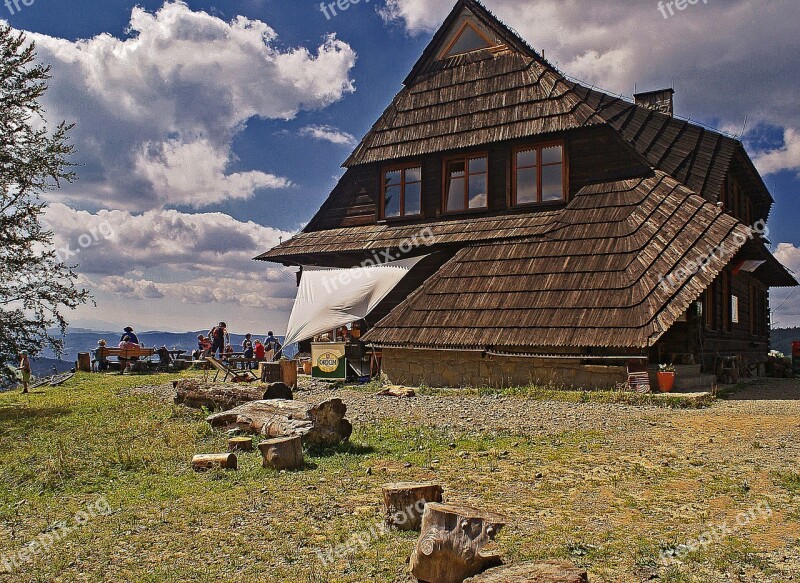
[{"x": 568, "y": 232}]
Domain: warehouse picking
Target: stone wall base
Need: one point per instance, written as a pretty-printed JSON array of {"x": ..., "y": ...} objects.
[{"x": 439, "y": 368}]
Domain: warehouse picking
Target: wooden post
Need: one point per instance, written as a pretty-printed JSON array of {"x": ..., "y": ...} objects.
[
  {"x": 240, "y": 444},
  {"x": 282, "y": 453},
  {"x": 205, "y": 461},
  {"x": 84, "y": 362},
  {"x": 404, "y": 503},
  {"x": 289, "y": 373},
  {"x": 456, "y": 542}
]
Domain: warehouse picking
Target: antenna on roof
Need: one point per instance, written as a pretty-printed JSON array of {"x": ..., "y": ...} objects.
[{"x": 744, "y": 126}]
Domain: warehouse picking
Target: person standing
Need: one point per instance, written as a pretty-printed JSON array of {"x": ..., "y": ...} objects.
[
  {"x": 247, "y": 348},
  {"x": 25, "y": 370},
  {"x": 271, "y": 343},
  {"x": 219, "y": 339}
]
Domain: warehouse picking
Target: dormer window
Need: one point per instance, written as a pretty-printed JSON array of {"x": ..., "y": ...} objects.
[
  {"x": 402, "y": 192},
  {"x": 468, "y": 39},
  {"x": 466, "y": 183},
  {"x": 539, "y": 174}
]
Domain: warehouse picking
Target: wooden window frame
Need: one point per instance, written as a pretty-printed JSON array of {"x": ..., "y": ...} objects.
[
  {"x": 445, "y": 54},
  {"x": 402, "y": 169},
  {"x": 564, "y": 173},
  {"x": 446, "y": 176}
]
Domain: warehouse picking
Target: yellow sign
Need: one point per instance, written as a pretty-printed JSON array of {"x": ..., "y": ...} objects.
[{"x": 328, "y": 362}]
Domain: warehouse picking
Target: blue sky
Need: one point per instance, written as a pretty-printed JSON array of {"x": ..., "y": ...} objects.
[{"x": 208, "y": 131}]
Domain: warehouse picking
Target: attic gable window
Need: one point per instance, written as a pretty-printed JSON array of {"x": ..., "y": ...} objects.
[
  {"x": 539, "y": 174},
  {"x": 402, "y": 192},
  {"x": 466, "y": 183},
  {"x": 468, "y": 39}
]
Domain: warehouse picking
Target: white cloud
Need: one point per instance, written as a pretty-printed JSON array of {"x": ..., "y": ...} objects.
[
  {"x": 156, "y": 112},
  {"x": 194, "y": 174},
  {"x": 115, "y": 242},
  {"x": 787, "y": 157},
  {"x": 329, "y": 134},
  {"x": 170, "y": 268},
  {"x": 789, "y": 256}
]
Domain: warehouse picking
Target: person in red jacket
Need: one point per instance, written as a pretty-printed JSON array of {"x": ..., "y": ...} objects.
[{"x": 259, "y": 351}]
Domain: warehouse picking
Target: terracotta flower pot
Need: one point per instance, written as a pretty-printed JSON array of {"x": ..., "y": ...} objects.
[{"x": 666, "y": 380}]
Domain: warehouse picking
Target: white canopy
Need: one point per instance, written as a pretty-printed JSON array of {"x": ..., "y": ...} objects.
[{"x": 329, "y": 297}]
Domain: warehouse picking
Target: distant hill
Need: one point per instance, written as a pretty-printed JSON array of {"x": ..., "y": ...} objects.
[
  {"x": 84, "y": 340},
  {"x": 782, "y": 339}
]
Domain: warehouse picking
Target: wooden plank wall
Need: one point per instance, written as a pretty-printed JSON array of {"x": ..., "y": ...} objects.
[{"x": 594, "y": 155}]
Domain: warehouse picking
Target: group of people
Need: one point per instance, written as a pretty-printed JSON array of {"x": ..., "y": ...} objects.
[{"x": 218, "y": 344}]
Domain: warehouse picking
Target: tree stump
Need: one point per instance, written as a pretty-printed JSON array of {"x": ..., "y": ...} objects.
[
  {"x": 206, "y": 461},
  {"x": 456, "y": 542},
  {"x": 404, "y": 503},
  {"x": 318, "y": 425},
  {"x": 546, "y": 572},
  {"x": 240, "y": 444},
  {"x": 282, "y": 453}
]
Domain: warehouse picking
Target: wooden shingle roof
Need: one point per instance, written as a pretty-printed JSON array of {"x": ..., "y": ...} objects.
[
  {"x": 431, "y": 234},
  {"x": 593, "y": 279}
]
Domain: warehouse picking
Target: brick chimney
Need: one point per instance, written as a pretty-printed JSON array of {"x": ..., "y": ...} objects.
[{"x": 661, "y": 100}]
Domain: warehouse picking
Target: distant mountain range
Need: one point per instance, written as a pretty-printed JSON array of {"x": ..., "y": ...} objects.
[
  {"x": 782, "y": 339},
  {"x": 84, "y": 340}
]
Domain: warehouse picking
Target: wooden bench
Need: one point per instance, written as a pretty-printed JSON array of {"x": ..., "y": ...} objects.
[{"x": 103, "y": 353}]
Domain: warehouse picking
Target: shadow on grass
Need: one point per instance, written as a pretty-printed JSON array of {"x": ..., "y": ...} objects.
[
  {"x": 20, "y": 412},
  {"x": 345, "y": 448}
]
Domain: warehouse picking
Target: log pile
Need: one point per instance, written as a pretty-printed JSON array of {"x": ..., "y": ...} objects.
[
  {"x": 317, "y": 425},
  {"x": 216, "y": 397},
  {"x": 455, "y": 542}
]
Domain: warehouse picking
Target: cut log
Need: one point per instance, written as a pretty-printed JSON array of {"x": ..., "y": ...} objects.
[
  {"x": 215, "y": 397},
  {"x": 404, "y": 503},
  {"x": 456, "y": 542},
  {"x": 318, "y": 425},
  {"x": 240, "y": 444},
  {"x": 206, "y": 461},
  {"x": 282, "y": 453},
  {"x": 546, "y": 572},
  {"x": 220, "y": 398}
]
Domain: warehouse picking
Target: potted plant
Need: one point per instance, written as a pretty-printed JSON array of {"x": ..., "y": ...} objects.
[{"x": 666, "y": 377}]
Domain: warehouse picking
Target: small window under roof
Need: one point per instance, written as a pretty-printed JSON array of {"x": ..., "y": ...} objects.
[{"x": 468, "y": 39}]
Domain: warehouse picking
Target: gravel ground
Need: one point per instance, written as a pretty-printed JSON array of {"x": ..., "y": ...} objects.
[{"x": 720, "y": 460}]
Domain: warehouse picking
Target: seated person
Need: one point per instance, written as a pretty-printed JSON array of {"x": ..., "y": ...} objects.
[
  {"x": 130, "y": 338},
  {"x": 228, "y": 353},
  {"x": 100, "y": 361}
]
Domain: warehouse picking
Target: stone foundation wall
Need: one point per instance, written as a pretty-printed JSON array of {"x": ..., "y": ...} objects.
[{"x": 435, "y": 368}]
